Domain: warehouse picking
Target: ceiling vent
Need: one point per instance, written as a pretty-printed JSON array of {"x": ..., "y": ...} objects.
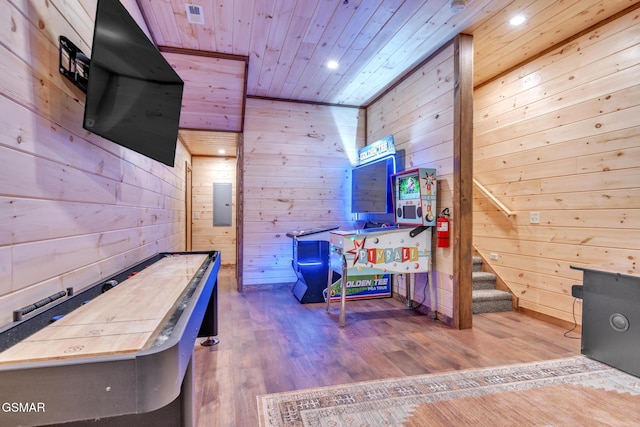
[
  {"x": 195, "y": 14},
  {"x": 458, "y": 5}
]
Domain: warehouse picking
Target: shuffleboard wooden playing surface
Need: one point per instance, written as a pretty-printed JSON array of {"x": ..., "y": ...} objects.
[{"x": 125, "y": 319}]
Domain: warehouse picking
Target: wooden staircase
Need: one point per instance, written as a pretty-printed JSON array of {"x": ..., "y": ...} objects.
[{"x": 486, "y": 298}]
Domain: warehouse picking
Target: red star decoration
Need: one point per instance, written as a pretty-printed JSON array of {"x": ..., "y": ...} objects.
[
  {"x": 428, "y": 179},
  {"x": 357, "y": 245}
]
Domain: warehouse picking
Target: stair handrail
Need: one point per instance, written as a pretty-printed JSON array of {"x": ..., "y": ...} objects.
[{"x": 493, "y": 198}]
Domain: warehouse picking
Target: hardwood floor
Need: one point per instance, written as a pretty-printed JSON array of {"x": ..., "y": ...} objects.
[{"x": 270, "y": 343}]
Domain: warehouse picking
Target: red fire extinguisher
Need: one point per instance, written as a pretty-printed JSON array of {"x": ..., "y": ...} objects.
[{"x": 442, "y": 229}]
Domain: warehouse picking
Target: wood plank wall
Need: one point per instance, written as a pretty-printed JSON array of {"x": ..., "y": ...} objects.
[
  {"x": 206, "y": 171},
  {"x": 297, "y": 167},
  {"x": 419, "y": 112},
  {"x": 560, "y": 136},
  {"x": 213, "y": 93},
  {"x": 73, "y": 207}
]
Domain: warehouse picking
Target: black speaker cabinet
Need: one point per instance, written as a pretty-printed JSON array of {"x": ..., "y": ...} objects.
[
  {"x": 611, "y": 319},
  {"x": 310, "y": 263},
  {"x": 312, "y": 268}
]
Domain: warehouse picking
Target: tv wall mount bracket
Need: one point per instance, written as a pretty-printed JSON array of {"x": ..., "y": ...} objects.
[{"x": 74, "y": 64}]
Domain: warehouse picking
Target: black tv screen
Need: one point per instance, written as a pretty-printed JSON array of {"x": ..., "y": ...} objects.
[
  {"x": 133, "y": 95},
  {"x": 371, "y": 187}
]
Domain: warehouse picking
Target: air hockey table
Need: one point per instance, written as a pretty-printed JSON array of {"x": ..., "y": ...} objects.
[{"x": 113, "y": 355}]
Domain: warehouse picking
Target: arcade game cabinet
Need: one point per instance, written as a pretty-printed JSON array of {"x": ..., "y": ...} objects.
[
  {"x": 415, "y": 197},
  {"x": 311, "y": 263},
  {"x": 401, "y": 249}
]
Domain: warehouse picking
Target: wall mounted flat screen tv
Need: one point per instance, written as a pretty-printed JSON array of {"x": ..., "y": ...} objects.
[
  {"x": 371, "y": 187},
  {"x": 134, "y": 96}
]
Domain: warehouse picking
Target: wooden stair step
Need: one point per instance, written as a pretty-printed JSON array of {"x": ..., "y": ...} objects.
[
  {"x": 477, "y": 263},
  {"x": 491, "y": 301},
  {"x": 483, "y": 280}
]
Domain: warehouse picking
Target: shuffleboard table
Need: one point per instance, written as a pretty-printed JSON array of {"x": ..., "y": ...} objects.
[{"x": 120, "y": 352}]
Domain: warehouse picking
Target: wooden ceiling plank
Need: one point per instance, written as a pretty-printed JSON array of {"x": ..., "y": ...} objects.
[
  {"x": 384, "y": 66},
  {"x": 351, "y": 63},
  {"x": 447, "y": 29},
  {"x": 205, "y": 137},
  {"x": 356, "y": 35},
  {"x": 223, "y": 24},
  {"x": 551, "y": 25},
  {"x": 444, "y": 26},
  {"x": 376, "y": 41},
  {"x": 373, "y": 59},
  {"x": 316, "y": 67},
  {"x": 319, "y": 22},
  {"x": 278, "y": 33},
  {"x": 188, "y": 33},
  {"x": 213, "y": 93},
  {"x": 296, "y": 74},
  {"x": 206, "y": 143},
  {"x": 242, "y": 24},
  {"x": 559, "y": 84},
  {"x": 496, "y": 27},
  {"x": 288, "y": 55},
  {"x": 161, "y": 21},
  {"x": 263, "y": 11},
  {"x": 504, "y": 38},
  {"x": 155, "y": 29},
  {"x": 205, "y": 34}
]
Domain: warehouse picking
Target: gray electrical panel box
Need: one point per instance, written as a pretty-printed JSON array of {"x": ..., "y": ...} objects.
[{"x": 222, "y": 204}]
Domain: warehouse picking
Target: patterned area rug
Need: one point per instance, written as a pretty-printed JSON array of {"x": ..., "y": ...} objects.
[{"x": 467, "y": 397}]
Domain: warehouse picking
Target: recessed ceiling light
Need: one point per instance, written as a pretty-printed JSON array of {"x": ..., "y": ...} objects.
[
  {"x": 332, "y": 65},
  {"x": 221, "y": 151},
  {"x": 517, "y": 20}
]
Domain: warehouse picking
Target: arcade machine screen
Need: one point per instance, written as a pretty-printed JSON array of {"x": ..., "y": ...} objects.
[
  {"x": 409, "y": 189},
  {"x": 371, "y": 188},
  {"x": 415, "y": 197}
]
